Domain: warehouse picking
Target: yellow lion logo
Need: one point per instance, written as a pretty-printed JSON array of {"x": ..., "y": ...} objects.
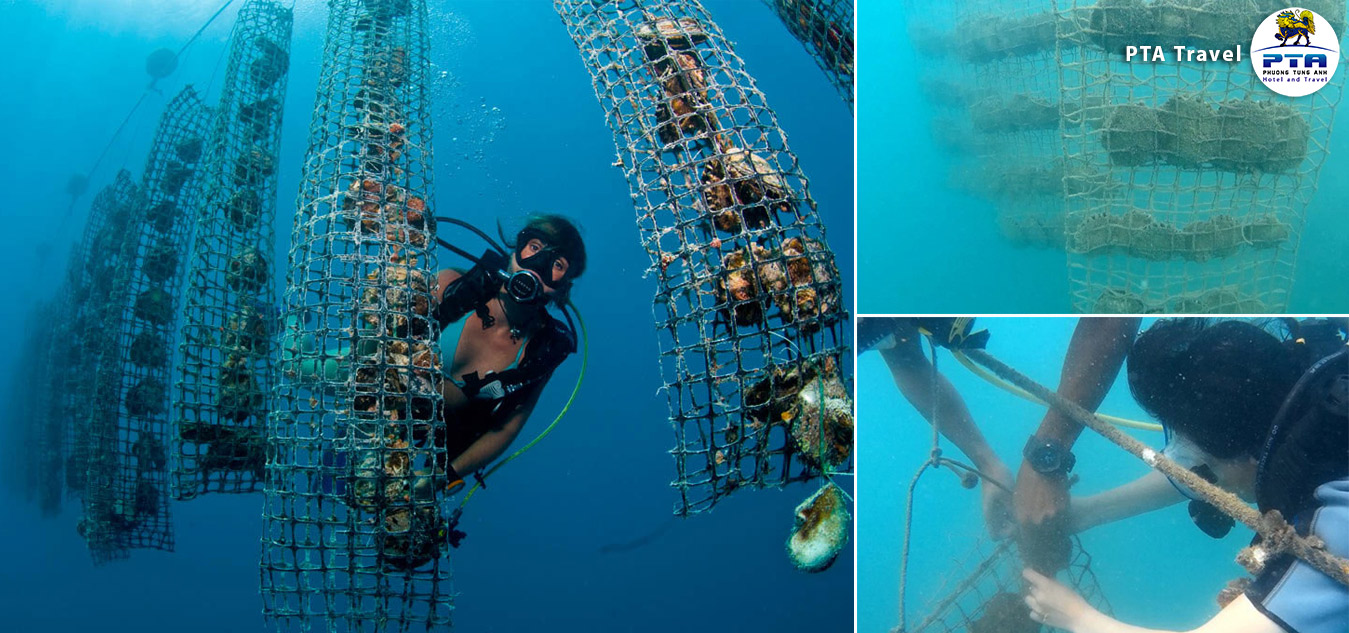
[{"x": 1295, "y": 28}]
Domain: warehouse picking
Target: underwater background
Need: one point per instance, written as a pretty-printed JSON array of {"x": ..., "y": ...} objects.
[
  {"x": 1156, "y": 570},
  {"x": 928, "y": 247},
  {"x": 576, "y": 535}
]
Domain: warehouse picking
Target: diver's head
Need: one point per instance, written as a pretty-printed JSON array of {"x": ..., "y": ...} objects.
[
  {"x": 548, "y": 257},
  {"x": 1218, "y": 384}
]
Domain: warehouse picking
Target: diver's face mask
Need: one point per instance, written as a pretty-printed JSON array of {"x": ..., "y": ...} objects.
[{"x": 540, "y": 269}]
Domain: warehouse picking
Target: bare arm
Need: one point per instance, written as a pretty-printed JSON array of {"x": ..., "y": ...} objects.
[
  {"x": 1140, "y": 496},
  {"x": 1095, "y": 355},
  {"x": 494, "y": 443},
  {"x": 1060, "y": 607},
  {"x": 914, "y": 377}
]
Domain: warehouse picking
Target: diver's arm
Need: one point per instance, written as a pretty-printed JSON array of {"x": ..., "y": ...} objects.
[
  {"x": 1095, "y": 355},
  {"x": 937, "y": 400},
  {"x": 494, "y": 443},
  {"x": 1060, "y": 607},
  {"x": 1147, "y": 493}
]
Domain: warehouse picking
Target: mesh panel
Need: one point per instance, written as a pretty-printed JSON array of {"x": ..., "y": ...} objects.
[
  {"x": 748, "y": 310},
  {"x": 109, "y": 520},
  {"x": 987, "y": 595},
  {"x": 33, "y": 458},
  {"x": 128, "y": 503},
  {"x": 227, "y": 346},
  {"x": 353, "y": 535},
  {"x": 825, "y": 28},
  {"x": 1211, "y": 171}
]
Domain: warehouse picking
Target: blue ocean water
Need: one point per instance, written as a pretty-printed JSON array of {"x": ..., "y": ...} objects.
[
  {"x": 518, "y": 130},
  {"x": 1156, "y": 570},
  {"x": 925, "y": 248}
]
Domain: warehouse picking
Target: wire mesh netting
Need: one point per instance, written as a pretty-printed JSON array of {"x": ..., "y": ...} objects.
[
  {"x": 1210, "y": 172},
  {"x": 353, "y": 534},
  {"x": 749, "y": 308},
  {"x": 108, "y": 518},
  {"x": 33, "y": 453},
  {"x": 825, "y": 28},
  {"x": 984, "y": 594},
  {"x": 127, "y": 506},
  {"x": 227, "y": 346}
]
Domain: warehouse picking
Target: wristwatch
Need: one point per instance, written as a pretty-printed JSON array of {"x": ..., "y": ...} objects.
[{"x": 1048, "y": 456}]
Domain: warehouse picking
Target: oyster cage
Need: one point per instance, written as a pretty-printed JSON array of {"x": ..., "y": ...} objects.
[
  {"x": 33, "y": 453},
  {"x": 131, "y": 444},
  {"x": 1212, "y": 171},
  {"x": 105, "y": 523},
  {"x": 353, "y": 535},
  {"x": 748, "y": 309},
  {"x": 988, "y": 597},
  {"x": 226, "y": 351},
  {"x": 825, "y": 28}
]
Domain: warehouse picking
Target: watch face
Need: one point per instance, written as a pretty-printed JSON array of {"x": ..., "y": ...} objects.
[{"x": 1045, "y": 459}]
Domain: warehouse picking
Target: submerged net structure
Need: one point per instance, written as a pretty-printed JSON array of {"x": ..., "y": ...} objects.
[
  {"x": 227, "y": 347},
  {"x": 748, "y": 309},
  {"x": 127, "y": 505},
  {"x": 1213, "y": 171},
  {"x": 825, "y": 28},
  {"x": 109, "y": 517},
  {"x": 33, "y": 454},
  {"x": 985, "y": 595},
  {"x": 353, "y": 537}
]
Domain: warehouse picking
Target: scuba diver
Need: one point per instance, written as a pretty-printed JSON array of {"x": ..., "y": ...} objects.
[
  {"x": 499, "y": 345},
  {"x": 1267, "y": 417}
]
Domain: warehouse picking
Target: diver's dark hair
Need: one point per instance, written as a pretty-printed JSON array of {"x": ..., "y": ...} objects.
[{"x": 1220, "y": 384}]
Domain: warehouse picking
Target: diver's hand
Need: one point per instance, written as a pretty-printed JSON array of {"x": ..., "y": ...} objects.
[
  {"x": 1041, "y": 515},
  {"x": 1055, "y": 605},
  {"x": 998, "y": 502},
  {"x": 1040, "y": 499}
]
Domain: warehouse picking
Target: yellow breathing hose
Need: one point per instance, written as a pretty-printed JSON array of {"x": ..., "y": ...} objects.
[{"x": 1021, "y": 393}]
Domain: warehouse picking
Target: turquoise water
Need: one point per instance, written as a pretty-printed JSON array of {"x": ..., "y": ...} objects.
[
  {"x": 924, "y": 248},
  {"x": 1157, "y": 570},
  {"x": 518, "y": 130}
]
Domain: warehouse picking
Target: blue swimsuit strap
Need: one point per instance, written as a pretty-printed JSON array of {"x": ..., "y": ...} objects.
[{"x": 455, "y": 332}]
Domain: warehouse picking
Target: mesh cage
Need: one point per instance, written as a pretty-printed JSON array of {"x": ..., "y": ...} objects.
[
  {"x": 33, "y": 454},
  {"x": 985, "y": 594},
  {"x": 227, "y": 346},
  {"x": 1010, "y": 116},
  {"x": 109, "y": 519},
  {"x": 1210, "y": 172},
  {"x": 749, "y": 308},
  {"x": 46, "y": 412},
  {"x": 825, "y": 28},
  {"x": 353, "y": 534},
  {"x": 128, "y": 474}
]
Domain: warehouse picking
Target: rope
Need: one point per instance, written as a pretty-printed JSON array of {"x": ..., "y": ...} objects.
[
  {"x": 1277, "y": 536},
  {"x": 1021, "y": 393}
]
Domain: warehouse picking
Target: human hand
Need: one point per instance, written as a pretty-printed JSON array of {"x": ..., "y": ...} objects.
[
  {"x": 1039, "y": 499},
  {"x": 1053, "y": 604},
  {"x": 1041, "y": 503}
]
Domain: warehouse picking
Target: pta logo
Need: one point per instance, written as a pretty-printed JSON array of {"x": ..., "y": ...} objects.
[{"x": 1295, "y": 52}]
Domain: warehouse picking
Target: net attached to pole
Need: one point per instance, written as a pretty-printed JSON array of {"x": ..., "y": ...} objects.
[
  {"x": 1212, "y": 170},
  {"x": 108, "y": 519},
  {"x": 226, "y": 351},
  {"x": 825, "y": 28},
  {"x": 748, "y": 310},
  {"x": 985, "y": 594},
  {"x": 129, "y": 464},
  {"x": 354, "y": 539}
]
